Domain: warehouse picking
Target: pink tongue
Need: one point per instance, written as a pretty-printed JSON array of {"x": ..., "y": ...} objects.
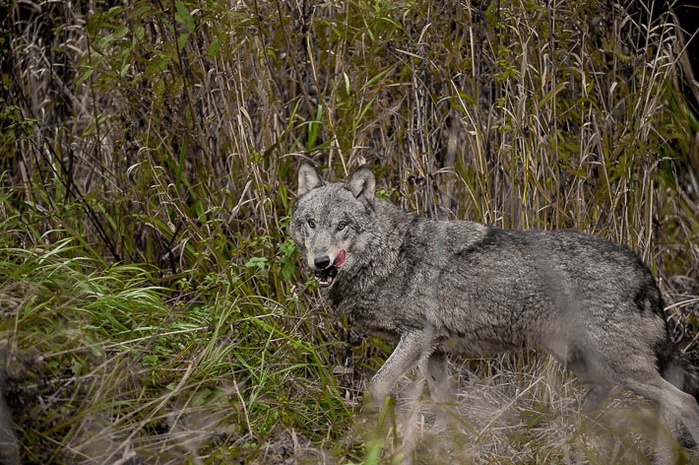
[{"x": 340, "y": 259}]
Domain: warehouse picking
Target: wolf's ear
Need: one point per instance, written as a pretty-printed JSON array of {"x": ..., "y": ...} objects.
[
  {"x": 362, "y": 183},
  {"x": 308, "y": 178}
]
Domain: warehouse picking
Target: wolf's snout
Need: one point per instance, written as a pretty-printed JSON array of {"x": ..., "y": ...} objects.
[
  {"x": 326, "y": 268},
  {"x": 321, "y": 263}
]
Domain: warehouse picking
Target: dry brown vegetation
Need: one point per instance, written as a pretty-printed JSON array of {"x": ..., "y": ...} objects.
[{"x": 152, "y": 311}]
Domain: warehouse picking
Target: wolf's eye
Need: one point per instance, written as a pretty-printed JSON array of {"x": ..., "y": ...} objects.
[
  {"x": 341, "y": 225},
  {"x": 312, "y": 224}
]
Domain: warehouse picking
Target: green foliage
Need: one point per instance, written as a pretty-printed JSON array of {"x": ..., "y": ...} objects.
[{"x": 152, "y": 300}]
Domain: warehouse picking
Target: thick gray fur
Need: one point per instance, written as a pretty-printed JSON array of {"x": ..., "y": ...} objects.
[{"x": 437, "y": 287}]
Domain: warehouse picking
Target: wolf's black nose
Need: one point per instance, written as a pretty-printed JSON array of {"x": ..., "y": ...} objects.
[{"x": 322, "y": 262}]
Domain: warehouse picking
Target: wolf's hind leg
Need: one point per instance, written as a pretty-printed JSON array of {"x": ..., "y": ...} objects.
[
  {"x": 595, "y": 395},
  {"x": 590, "y": 376},
  {"x": 676, "y": 404}
]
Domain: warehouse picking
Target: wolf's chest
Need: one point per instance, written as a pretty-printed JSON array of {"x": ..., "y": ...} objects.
[{"x": 377, "y": 311}]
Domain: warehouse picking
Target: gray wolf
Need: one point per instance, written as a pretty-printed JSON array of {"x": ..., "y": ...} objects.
[{"x": 438, "y": 287}]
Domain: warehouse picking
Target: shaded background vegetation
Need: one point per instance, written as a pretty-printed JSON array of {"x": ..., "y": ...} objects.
[{"x": 152, "y": 310}]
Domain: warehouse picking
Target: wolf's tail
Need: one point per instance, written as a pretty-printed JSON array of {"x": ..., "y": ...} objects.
[{"x": 674, "y": 367}]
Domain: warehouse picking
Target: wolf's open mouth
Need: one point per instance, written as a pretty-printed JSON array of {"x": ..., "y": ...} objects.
[{"x": 325, "y": 277}]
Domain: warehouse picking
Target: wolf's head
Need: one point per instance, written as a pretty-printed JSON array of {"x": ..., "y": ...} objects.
[{"x": 330, "y": 219}]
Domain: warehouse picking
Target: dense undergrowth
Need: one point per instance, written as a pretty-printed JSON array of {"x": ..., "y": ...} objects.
[{"x": 152, "y": 309}]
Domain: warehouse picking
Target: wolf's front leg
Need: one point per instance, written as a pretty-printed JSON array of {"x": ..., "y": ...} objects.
[
  {"x": 411, "y": 346},
  {"x": 434, "y": 369}
]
